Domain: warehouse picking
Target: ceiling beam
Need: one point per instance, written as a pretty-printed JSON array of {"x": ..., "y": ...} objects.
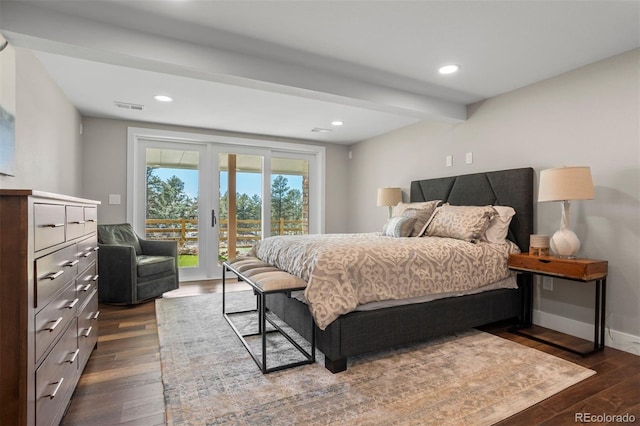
[{"x": 36, "y": 28}]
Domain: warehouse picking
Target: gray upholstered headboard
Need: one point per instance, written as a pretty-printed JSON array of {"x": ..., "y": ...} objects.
[{"x": 503, "y": 188}]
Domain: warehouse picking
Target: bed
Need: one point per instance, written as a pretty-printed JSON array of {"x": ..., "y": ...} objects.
[{"x": 361, "y": 331}]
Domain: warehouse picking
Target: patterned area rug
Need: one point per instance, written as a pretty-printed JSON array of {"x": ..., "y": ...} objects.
[{"x": 472, "y": 378}]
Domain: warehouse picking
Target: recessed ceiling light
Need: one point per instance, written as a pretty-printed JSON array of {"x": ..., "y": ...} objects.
[
  {"x": 337, "y": 123},
  {"x": 163, "y": 98},
  {"x": 320, "y": 130},
  {"x": 449, "y": 69}
]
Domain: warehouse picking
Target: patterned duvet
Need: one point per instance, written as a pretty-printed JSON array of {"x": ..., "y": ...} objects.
[{"x": 344, "y": 271}]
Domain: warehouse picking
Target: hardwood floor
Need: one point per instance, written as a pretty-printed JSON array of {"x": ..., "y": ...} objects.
[{"x": 122, "y": 383}]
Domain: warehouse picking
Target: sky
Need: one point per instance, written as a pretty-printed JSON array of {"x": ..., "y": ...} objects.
[{"x": 246, "y": 183}]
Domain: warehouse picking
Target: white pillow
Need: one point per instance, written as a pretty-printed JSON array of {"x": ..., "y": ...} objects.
[
  {"x": 499, "y": 225},
  {"x": 399, "y": 226}
]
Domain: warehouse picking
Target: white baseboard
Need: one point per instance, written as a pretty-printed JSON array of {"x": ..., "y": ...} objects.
[{"x": 612, "y": 338}]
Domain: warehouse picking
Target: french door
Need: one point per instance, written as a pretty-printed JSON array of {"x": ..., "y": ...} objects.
[
  {"x": 172, "y": 200},
  {"x": 216, "y": 200}
]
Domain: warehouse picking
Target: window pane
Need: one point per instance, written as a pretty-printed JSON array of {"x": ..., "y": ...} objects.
[
  {"x": 289, "y": 196},
  {"x": 240, "y": 204},
  {"x": 172, "y": 200}
]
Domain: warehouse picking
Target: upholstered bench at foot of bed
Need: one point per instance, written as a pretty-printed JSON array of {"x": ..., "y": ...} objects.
[{"x": 265, "y": 279}]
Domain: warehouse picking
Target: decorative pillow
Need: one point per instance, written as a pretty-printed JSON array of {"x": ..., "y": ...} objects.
[
  {"x": 399, "y": 226},
  {"x": 422, "y": 216},
  {"x": 399, "y": 208},
  {"x": 467, "y": 223},
  {"x": 499, "y": 225}
]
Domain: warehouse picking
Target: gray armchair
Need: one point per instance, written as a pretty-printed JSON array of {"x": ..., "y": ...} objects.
[{"x": 133, "y": 270}]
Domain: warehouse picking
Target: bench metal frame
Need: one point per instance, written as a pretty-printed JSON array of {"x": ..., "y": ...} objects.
[{"x": 263, "y": 318}]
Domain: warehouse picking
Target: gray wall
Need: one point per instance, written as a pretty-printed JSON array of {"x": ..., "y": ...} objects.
[
  {"x": 590, "y": 116},
  {"x": 105, "y": 160},
  {"x": 48, "y": 141}
]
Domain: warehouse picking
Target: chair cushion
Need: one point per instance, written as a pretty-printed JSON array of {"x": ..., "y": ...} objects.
[
  {"x": 153, "y": 265},
  {"x": 121, "y": 234}
]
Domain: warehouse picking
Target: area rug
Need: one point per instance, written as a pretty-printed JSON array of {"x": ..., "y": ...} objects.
[{"x": 471, "y": 378}]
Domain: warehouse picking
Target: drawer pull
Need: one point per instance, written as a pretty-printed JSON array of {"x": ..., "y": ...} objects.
[
  {"x": 87, "y": 254},
  {"x": 55, "y": 391},
  {"x": 78, "y": 222},
  {"x": 91, "y": 220},
  {"x": 55, "y": 275},
  {"x": 52, "y": 225},
  {"x": 97, "y": 314},
  {"x": 544, "y": 261},
  {"x": 74, "y": 356},
  {"x": 96, "y": 248},
  {"x": 86, "y": 287},
  {"x": 88, "y": 332},
  {"x": 54, "y": 325},
  {"x": 73, "y": 304},
  {"x": 95, "y": 277},
  {"x": 72, "y": 263}
]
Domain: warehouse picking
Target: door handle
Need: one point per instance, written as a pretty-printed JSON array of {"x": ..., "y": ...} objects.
[{"x": 214, "y": 220}]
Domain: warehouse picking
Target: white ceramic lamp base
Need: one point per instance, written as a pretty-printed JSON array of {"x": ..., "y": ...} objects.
[{"x": 565, "y": 242}]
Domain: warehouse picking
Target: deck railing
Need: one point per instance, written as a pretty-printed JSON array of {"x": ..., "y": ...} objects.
[{"x": 247, "y": 233}]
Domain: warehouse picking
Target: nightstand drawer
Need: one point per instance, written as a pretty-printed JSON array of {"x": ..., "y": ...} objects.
[{"x": 576, "y": 269}]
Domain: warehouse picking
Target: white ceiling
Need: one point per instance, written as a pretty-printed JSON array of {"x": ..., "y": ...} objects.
[{"x": 282, "y": 68}]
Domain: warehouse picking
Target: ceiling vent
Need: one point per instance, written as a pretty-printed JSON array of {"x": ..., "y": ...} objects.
[
  {"x": 125, "y": 105},
  {"x": 321, "y": 130}
]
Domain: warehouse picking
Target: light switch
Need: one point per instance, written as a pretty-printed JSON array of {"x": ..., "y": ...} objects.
[
  {"x": 449, "y": 160},
  {"x": 468, "y": 158},
  {"x": 114, "y": 198}
]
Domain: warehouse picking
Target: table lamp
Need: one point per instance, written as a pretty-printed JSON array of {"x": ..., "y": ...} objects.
[
  {"x": 565, "y": 184},
  {"x": 389, "y": 197}
]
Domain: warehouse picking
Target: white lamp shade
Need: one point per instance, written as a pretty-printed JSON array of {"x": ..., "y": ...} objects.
[
  {"x": 566, "y": 183},
  {"x": 389, "y": 196}
]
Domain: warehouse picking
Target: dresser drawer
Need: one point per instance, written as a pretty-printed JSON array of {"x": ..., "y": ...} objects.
[
  {"x": 56, "y": 376},
  {"x": 90, "y": 220},
  {"x": 54, "y": 272},
  {"x": 86, "y": 284},
  {"x": 53, "y": 319},
  {"x": 49, "y": 221},
  {"x": 87, "y": 252},
  {"x": 75, "y": 222},
  {"x": 88, "y": 328}
]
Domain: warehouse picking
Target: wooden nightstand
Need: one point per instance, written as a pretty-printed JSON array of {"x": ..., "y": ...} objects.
[{"x": 580, "y": 270}]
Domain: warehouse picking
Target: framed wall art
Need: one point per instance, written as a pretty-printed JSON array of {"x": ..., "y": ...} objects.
[{"x": 7, "y": 107}]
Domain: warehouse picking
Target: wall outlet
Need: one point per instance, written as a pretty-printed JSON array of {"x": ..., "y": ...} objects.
[{"x": 547, "y": 283}]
